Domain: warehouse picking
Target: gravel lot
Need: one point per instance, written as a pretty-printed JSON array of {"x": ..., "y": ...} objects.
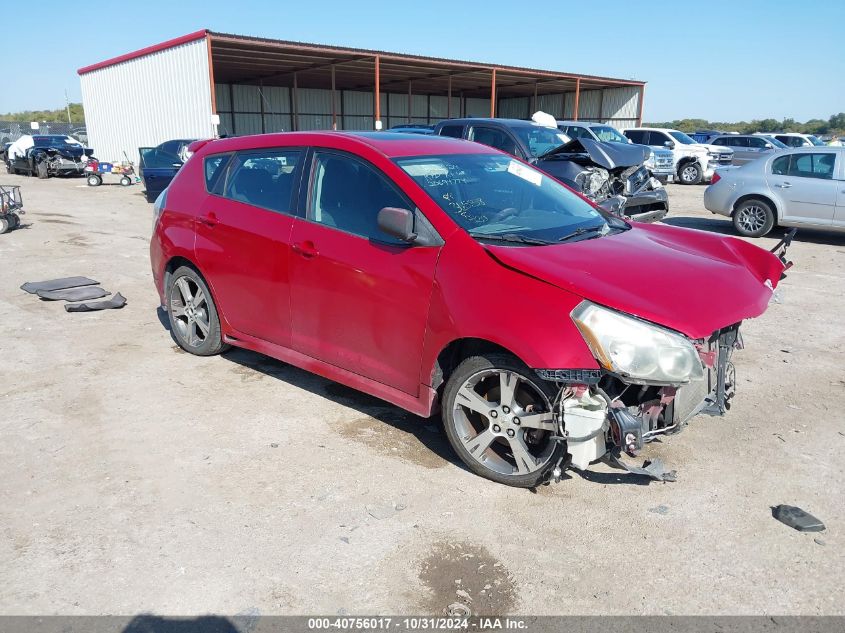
[{"x": 137, "y": 478}]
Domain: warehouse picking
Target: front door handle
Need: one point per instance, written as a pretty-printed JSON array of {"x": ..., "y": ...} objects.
[
  {"x": 306, "y": 249},
  {"x": 784, "y": 185},
  {"x": 210, "y": 219}
]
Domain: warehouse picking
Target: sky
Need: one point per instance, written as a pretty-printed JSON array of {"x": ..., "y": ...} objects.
[{"x": 721, "y": 61}]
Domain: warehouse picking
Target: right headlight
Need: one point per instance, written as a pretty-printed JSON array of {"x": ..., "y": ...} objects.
[{"x": 639, "y": 351}]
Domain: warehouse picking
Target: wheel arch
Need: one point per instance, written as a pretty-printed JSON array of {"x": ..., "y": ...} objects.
[
  {"x": 457, "y": 351},
  {"x": 757, "y": 196}
]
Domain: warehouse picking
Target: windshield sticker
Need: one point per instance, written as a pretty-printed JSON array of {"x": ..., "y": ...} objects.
[{"x": 526, "y": 173}]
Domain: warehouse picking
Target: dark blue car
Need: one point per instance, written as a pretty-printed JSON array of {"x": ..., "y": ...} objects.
[{"x": 159, "y": 165}]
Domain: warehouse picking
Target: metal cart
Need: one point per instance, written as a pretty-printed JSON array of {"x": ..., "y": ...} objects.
[
  {"x": 95, "y": 169},
  {"x": 11, "y": 207}
]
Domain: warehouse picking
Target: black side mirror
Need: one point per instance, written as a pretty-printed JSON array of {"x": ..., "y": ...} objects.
[
  {"x": 398, "y": 223},
  {"x": 669, "y": 145}
]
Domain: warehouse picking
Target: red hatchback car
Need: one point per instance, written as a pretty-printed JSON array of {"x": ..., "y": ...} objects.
[{"x": 443, "y": 275}]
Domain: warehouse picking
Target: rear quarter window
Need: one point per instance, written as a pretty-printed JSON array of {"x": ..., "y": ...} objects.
[{"x": 215, "y": 169}]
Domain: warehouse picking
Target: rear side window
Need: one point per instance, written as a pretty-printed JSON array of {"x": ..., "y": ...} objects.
[
  {"x": 493, "y": 138},
  {"x": 455, "y": 131},
  {"x": 805, "y": 165},
  {"x": 719, "y": 141},
  {"x": 264, "y": 178},
  {"x": 215, "y": 170},
  {"x": 636, "y": 136}
]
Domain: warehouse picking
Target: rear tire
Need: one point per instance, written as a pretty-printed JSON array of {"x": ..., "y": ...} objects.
[
  {"x": 94, "y": 180},
  {"x": 194, "y": 321},
  {"x": 753, "y": 218},
  {"x": 497, "y": 417},
  {"x": 125, "y": 181},
  {"x": 690, "y": 174}
]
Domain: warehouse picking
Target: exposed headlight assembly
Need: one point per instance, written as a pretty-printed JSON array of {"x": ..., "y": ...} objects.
[{"x": 640, "y": 352}]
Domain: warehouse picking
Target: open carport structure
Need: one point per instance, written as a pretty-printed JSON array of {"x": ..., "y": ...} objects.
[{"x": 256, "y": 85}]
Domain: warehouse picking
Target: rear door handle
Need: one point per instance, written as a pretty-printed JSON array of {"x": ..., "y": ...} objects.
[
  {"x": 306, "y": 249},
  {"x": 209, "y": 220}
]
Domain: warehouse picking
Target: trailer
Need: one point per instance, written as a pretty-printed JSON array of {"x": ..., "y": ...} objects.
[
  {"x": 11, "y": 207},
  {"x": 95, "y": 169}
]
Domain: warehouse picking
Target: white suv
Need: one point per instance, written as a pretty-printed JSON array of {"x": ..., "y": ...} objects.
[
  {"x": 694, "y": 162},
  {"x": 794, "y": 139}
]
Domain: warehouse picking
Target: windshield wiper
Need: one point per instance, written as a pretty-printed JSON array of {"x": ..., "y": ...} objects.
[
  {"x": 584, "y": 230},
  {"x": 509, "y": 237}
]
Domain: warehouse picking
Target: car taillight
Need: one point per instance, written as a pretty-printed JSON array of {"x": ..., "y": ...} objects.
[{"x": 716, "y": 178}]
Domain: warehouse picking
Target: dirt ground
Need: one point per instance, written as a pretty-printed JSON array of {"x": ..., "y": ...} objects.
[{"x": 137, "y": 478}]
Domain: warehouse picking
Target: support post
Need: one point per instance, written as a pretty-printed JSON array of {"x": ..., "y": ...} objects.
[
  {"x": 493, "y": 94},
  {"x": 409, "y": 100},
  {"x": 601, "y": 106},
  {"x": 295, "y": 101},
  {"x": 334, "y": 105},
  {"x": 640, "y": 106},
  {"x": 449, "y": 98},
  {"x": 261, "y": 103},
  {"x": 377, "y": 97},
  {"x": 577, "y": 99},
  {"x": 534, "y": 103}
]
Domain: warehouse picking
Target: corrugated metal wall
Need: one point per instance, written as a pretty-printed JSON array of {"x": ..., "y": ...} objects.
[
  {"x": 241, "y": 108},
  {"x": 148, "y": 100},
  {"x": 617, "y": 106}
]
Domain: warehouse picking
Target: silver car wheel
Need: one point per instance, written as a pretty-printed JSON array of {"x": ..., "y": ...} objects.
[
  {"x": 752, "y": 218},
  {"x": 689, "y": 174},
  {"x": 505, "y": 422},
  {"x": 189, "y": 308}
]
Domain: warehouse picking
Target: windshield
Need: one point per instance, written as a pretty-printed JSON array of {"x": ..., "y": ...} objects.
[
  {"x": 496, "y": 196},
  {"x": 609, "y": 134},
  {"x": 540, "y": 140},
  {"x": 682, "y": 138},
  {"x": 775, "y": 142},
  {"x": 43, "y": 141},
  {"x": 815, "y": 140}
]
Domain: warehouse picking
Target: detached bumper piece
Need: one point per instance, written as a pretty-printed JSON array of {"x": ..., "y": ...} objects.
[{"x": 653, "y": 469}]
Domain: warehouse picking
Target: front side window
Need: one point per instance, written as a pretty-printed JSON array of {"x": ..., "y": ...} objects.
[
  {"x": 815, "y": 140},
  {"x": 263, "y": 178},
  {"x": 495, "y": 197},
  {"x": 658, "y": 138},
  {"x": 576, "y": 131},
  {"x": 720, "y": 141},
  {"x": 636, "y": 136},
  {"x": 347, "y": 194},
  {"x": 540, "y": 140},
  {"x": 682, "y": 138},
  {"x": 756, "y": 142}
]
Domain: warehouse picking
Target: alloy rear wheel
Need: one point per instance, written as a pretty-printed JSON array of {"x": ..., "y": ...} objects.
[
  {"x": 753, "y": 218},
  {"x": 194, "y": 322}
]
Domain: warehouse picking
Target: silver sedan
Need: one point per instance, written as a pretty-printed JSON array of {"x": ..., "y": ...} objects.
[{"x": 801, "y": 187}]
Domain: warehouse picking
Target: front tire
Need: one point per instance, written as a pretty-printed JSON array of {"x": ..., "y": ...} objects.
[
  {"x": 498, "y": 418},
  {"x": 94, "y": 180},
  {"x": 41, "y": 170},
  {"x": 690, "y": 174},
  {"x": 125, "y": 181},
  {"x": 194, "y": 321},
  {"x": 753, "y": 218},
  {"x": 4, "y": 225}
]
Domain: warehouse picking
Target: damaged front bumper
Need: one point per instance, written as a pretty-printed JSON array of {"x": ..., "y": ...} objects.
[
  {"x": 605, "y": 415},
  {"x": 645, "y": 205}
]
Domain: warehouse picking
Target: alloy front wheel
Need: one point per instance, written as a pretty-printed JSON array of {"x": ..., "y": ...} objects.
[{"x": 499, "y": 420}]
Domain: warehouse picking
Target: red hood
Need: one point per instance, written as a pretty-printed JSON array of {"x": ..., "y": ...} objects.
[{"x": 691, "y": 281}]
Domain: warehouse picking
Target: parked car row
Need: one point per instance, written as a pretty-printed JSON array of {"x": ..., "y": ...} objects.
[
  {"x": 46, "y": 155},
  {"x": 447, "y": 276}
]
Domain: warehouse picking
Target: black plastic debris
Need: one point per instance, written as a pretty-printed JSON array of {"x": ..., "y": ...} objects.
[
  {"x": 796, "y": 518},
  {"x": 32, "y": 287},
  {"x": 651, "y": 468},
  {"x": 113, "y": 303},
  {"x": 73, "y": 294}
]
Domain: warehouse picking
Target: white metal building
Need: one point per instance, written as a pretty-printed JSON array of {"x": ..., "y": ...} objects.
[{"x": 174, "y": 90}]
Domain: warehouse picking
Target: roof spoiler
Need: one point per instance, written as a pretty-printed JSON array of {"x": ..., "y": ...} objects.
[{"x": 198, "y": 145}]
